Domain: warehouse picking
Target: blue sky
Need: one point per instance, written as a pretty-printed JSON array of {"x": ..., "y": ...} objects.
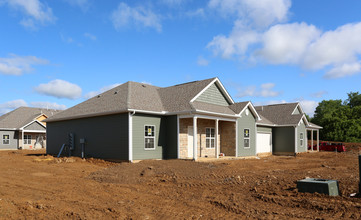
[{"x": 58, "y": 53}]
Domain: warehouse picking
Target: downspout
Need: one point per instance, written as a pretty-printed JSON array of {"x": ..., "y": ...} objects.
[{"x": 130, "y": 136}]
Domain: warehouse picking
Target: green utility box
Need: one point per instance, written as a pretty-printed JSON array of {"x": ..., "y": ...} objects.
[{"x": 312, "y": 185}]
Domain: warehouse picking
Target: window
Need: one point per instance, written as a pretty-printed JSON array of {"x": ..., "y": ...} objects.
[
  {"x": 210, "y": 138},
  {"x": 301, "y": 139},
  {"x": 27, "y": 139},
  {"x": 6, "y": 139},
  {"x": 149, "y": 137},
  {"x": 246, "y": 138}
]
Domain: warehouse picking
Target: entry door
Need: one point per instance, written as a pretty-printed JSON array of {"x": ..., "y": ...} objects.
[
  {"x": 190, "y": 141},
  {"x": 264, "y": 143}
]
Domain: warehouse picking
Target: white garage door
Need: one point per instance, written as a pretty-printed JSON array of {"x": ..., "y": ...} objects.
[{"x": 264, "y": 143}]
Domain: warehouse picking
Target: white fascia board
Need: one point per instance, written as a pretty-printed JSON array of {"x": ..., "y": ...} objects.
[
  {"x": 216, "y": 80},
  {"x": 215, "y": 113},
  {"x": 22, "y": 128},
  {"x": 207, "y": 117},
  {"x": 250, "y": 105},
  {"x": 305, "y": 119},
  {"x": 33, "y": 131},
  {"x": 9, "y": 129},
  {"x": 299, "y": 108}
]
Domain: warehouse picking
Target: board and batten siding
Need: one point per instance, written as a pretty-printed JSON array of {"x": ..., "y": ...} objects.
[
  {"x": 283, "y": 140},
  {"x": 106, "y": 136},
  {"x": 246, "y": 122},
  {"x": 13, "y": 135},
  {"x": 301, "y": 129},
  {"x": 213, "y": 95},
  {"x": 35, "y": 126}
]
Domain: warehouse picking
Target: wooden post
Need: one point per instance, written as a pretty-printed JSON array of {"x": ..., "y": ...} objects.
[
  {"x": 216, "y": 140},
  {"x": 195, "y": 148}
]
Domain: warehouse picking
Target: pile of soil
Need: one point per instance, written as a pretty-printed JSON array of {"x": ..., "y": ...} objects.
[{"x": 34, "y": 185}]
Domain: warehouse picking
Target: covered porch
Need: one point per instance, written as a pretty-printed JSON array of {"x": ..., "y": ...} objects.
[
  {"x": 312, "y": 129},
  {"x": 214, "y": 137}
]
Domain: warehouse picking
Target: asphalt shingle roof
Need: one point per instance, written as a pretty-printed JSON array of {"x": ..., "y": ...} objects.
[
  {"x": 280, "y": 114},
  {"x": 22, "y": 116},
  {"x": 238, "y": 106}
]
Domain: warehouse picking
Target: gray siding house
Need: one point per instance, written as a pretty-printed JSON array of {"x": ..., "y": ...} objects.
[
  {"x": 136, "y": 121},
  {"x": 23, "y": 128}
]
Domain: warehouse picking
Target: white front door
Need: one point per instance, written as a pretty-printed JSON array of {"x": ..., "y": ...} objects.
[
  {"x": 264, "y": 143},
  {"x": 190, "y": 141}
]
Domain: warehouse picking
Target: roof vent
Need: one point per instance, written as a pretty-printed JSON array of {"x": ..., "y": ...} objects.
[
  {"x": 144, "y": 85},
  {"x": 116, "y": 92},
  {"x": 99, "y": 96}
]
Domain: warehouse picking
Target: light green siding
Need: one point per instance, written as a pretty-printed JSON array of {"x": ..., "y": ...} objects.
[
  {"x": 213, "y": 95},
  {"x": 264, "y": 129},
  {"x": 139, "y": 121},
  {"x": 106, "y": 136},
  {"x": 283, "y": 140},
  {"x": 13, "y": 141},
  {"x": 246, "y": 122},
  {"x": 301, "y": 129},
  {"x": 296, "y": 112},
  {"x": 35, "y": 126}
]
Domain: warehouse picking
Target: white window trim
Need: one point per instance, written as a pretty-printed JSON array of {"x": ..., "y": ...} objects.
[
  {"x": 4, "y": 139},
  {"x": 249, "y": 138},
  {"x": 27, "y": 139},
  {"x": 302, "y": 139},
  {"x": 211, "y": 138},
  {"x": 155, "y": 133}
]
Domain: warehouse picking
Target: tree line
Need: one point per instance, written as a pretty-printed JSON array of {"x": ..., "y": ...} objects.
[{"x": 341, "y": 120}]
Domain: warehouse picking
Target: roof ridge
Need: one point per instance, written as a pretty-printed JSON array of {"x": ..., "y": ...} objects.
[{"x": 195, "y": 81}]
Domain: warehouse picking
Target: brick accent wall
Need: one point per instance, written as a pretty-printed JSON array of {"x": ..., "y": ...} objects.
[{"x": 227, "y": 130}]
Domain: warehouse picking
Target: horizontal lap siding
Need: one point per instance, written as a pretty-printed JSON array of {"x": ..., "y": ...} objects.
[
  {"x": 106, "y": 136},
  {"x": 35, "y": 126},
  {"x": 213, "y": 95},
  {"x": 301, "y": 129},
  {"x": 13, "y": 145},
  {"x": 249, "y": 122},
  {"x": 139, "y": 121}
]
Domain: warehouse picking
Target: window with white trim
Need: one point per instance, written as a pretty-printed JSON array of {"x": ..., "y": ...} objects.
[
  {"x": 149, "y": 137},
  {"x": 246, "y": 138},
  {"x": 210, "y": 138},
  {"x": 27, "y": 139},
  {"x": 301, "y": 139},
  {"x": 6, "y": 139}
]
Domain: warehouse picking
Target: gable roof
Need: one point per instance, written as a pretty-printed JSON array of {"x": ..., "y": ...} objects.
[
  {"x": 23, "y": 116},
  {"x": 280, "y": 114}
]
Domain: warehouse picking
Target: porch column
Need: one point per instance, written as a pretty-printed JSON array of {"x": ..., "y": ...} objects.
[
  {"x": 216, "y": 140},
  {"x": 22, "y": 139},
  {"x": 318, "y": 140},
  {"x": 312, "y": 139},
  {"x": 195, "y": 148}
]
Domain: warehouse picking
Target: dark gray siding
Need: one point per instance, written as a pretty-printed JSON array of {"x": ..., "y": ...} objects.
[
  {"x": 13, "y": 135},
  {"x": 213, "y": 95},
  {"x": 139, "y": 121},
  {"x": 171, "y": 151},
  {"x": 283, "y": 140},
  {"x": 106, "y": 136},
  {"x": 301, "y": 129},
  {"x": 35, "y": 126},
  {"x": 246, "y": 122}
]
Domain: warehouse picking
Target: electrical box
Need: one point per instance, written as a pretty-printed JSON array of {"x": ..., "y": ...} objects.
[
  {"x": 312, "y": 185},
  {"x": 71, "y": 141}
]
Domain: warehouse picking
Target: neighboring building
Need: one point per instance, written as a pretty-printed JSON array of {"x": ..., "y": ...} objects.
[
  {"x": 24, "y": 128},
  {"x": 136, "y": 121}
]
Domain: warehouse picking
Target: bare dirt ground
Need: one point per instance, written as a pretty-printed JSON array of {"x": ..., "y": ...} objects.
[{"x": 36, "y": 186}]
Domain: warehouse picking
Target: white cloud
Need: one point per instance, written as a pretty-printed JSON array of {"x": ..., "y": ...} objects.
[
  {"x": 319, "y": 94},
  {"x": 11, "y": 105},
  {"x": 270, "y": 102},
  {"x": 266, "y": 90},
  {"x": 260, "y": 13},
  {"x": 90, "y": 36},
  {"x": 308, "y": 106},
  {"x": 17, "y": 65},
  {"x": 105, "y": 88},
  {"x": 173, "y": 2},
  {"x": 50, "y": 105},
  {"x": 125, "y": 16},
  {"x": 34, "y": 10},
  {"x": 346, "y": 69},
  {"x": 201, "y": 61},
  {"x": 196, "y": 13},
  {"x": 60, "y": 89}
]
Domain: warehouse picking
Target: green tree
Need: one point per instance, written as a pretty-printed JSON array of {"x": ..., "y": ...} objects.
[{"x": 354, "y": 99}]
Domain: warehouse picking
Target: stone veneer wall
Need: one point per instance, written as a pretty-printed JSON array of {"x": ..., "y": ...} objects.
[
  {"x": 227, "y": 130},
  {"x": 202, "y": 124}
]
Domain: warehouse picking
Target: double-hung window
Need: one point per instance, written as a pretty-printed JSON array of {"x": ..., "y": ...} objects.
[
  {"x": 27, "y": 139},
  {"x": 6, "y": 139},
  {"x": 210, "y": 138},
  {"x": 301, "y": 139},
  {"x": 149, "y": 137},
  {"x": 246, "y": 138}
]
